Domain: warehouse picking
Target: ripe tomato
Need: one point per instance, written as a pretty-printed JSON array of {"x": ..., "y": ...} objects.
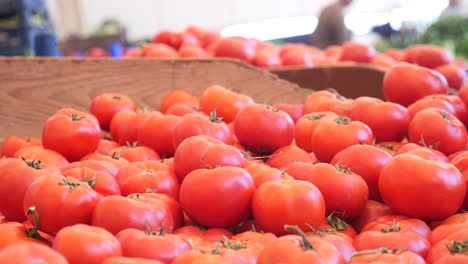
[
  {"x": 433, "y": 182},
  {"x": 203, "y": 236},
  {"x": 178, "y": 96},
  {"x": 333, "y": 135},
  {"x": 74, "y": 136},
  {"x": 105, "y": 106},
  {"x": 86, "y": 244},
  {"x": 337, "y": 225},
  {"x": 172, "y": 204},
  {"x": 137, "y": 177},
  {"x": 267, "y": 59},
  {"x": 208, "y": 254},
  {"x": 275, "y": 126},
  {"x": 262, "y": 173},
  {"x": 75, "y": 199},
  {"x": 430, "y": 101},
  {"x": 124, "y": 128},
  {"x": 14, "y": 233},
  {"x": 115, "y": 159},
  {"x": 383, "y": 60},
  {"x": 366, "y": 161},
  {"x": 391, "y": 147},
  {"x": 439, "y": 128},
  {"x": 305, "y": 127},
  {"x": 396, "y": 54},
  {"x": 235, "y": 47},
  {"x": 388, "y": 121},
  {"x": 405, "y": 83},
  {"x": 203, "y": 152},
  {"x": 428, "y": 56},
  {"x": 116, "y": 213},
  {"x": 299, "y": 57},
  {"x": 300, "y": 249},
  {"x": 357, "y": 52},
  {"x": 149, "y": 244},
  {"x": 403, "y": 223},
  {"x": 327, "y": 101},
  {"x": 342, "y": 242},
  {"x": 13, "y": 143},
  {"x": 101, "y": 182},
  {"x": 198, "y": 124},
  {"x": 192, "y": 51},
  {"x": 285, "y": 155},
  {"x": 101, "y": 165},
  {"x": 16, "y": 176},
  {"x": 429, "y": 154},
  {"x": 455, "y": 75},
  {"x": 461, "y": 162},
  {"x": 48, "y": 158},
  {"x": 159, "y": 50},
  {"x": 452, "y": 249},
  {"x": 372, "y": 211},
  {"x": 135, "y": 152},
  {"x": 181, "y": 109},
  {"x": 28, "y": 253},
  {"x": 295, "y": 111},
  {"x": 219, "y": 185},
  {"x": 461, "y": 110},
  {"x": 392, "y": 237},
  {"x": 157, "y": 132},
  {"x": 125, "y": 260},
  {"x": 327, "y": 178},
  {"x": 386, "y": 256},
  {"x": 225, "y": 102},
  {"x": 275, "y": 204},
  {"x": 105, "y": 146}
]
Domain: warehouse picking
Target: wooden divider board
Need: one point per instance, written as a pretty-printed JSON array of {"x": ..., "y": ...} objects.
[
  {"x": 350, "y": 80},
  {"x": 31, "y": 89}
]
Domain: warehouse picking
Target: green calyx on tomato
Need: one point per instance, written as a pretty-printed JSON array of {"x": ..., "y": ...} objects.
[
  {"x": 305, "y": 242},
  {"x": 75, "y": 117},
  {"x": 336, "y": 222},
  {"x": 35, "y": 164},
  {"x": 342, "y": 168},
  {"x": 392, "y": 227},
  {"x": 315, "y": 117},
  {"x": 323, "y": 231},
  {"x": 117, "y": 97},
  {"x": 149, "y": 232},
  {"x": 445, "y": 116},
  {"x": 343, "y": 120},
  {"x": 458, "y": 247},
  {"x": 90, "y": 182},
  {"x": 214, "y": 117},
  {"x": 71, "y": 185},
  {"x": 234, "y": 245},
  {"x": 133, "y": 144},
  {"x": 382, "y": 250},
  {"x": 433, "y": 146},
  {"x": 32, "y": 232},
  {"x": 272, "y": 108}
]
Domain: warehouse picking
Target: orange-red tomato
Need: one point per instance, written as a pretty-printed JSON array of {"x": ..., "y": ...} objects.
[
  {"x": 106, "y": 105},
  {"x": 13, "y": 143}
]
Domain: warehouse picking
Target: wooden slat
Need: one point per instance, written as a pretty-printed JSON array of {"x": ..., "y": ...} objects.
[{"x": 31, "y": 89}]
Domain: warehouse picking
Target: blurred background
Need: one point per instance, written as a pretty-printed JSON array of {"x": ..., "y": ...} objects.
[{"x": 116, "y": 25}]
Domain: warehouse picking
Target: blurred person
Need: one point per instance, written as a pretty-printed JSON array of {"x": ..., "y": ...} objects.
[
  {"x": 331, "y": 28},
  {"x": 455, "y": 8}
]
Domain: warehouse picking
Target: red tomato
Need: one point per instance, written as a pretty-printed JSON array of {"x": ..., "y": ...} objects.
[
  {"x": 158, "y": 50},
  {"x": 177, "y": 96},
  {"x": 28, "y": 253},
  {"x": 323, "y": 101},
  {"x": 300, "y": 249},
  {"x": 155, "y": 245},
  {"x": 192, "y": 51},
  {"x": 13, "y": 143},
  {"x": 342, "y": 242},
  {"x": 275, "y": 204},
  {"x": 115, "y": 159},
  {"x": 86, "y": 244},
  {"x": 103, "y": 166},
  {"x": 455, "y": 75},
  {"x": 403, "y": 223},
  {"x": 357, "y": 52},
  {"x": 157, "y": 132},
  {"x": 305, "y": 127},
  {"x": 262, "y": 173},
  {"x": 105, "y": 146},
  {"x": 428, "y": 102},
  {"x": 48, "y": 158},
  {"x": 226, "y": 103},
  {"x": 396, "y": 54},
  {"x": 101, "y": 182},
  {"x": 450, "y": 250},
  {"x": 435, "y": 127},
  {"x": 203, "y": 152},
  {"x": 198, "y": 124},
  {"x": 124, "y": 260},
  {"x": 172, "y": 204},
  {"x": 75, "y": 199},
  {"x": 116, "y": 213},
  {"x": 297, "y": 58},
  {"x": 74, "y": 136},
  {"x": 366, "y": 161},
  {"x": 295, "y": 111},
  {"x": 15, "y": 233},
  {"x": 288, "y": 154},
  {"x": 181, "y": 109},
  {"x": 428, "y": 56},
  {"x": 135, "y": 152},
  {"x": 405, "y": 83},
  {"x": 235, "y": 47},
  {"x": 137, "y": 177},
  {"x": 388, "y": 121},
  {"x": 461, "y": 110},
  {"x": 267, "y": 59},
  {"x": 105, "y": 106},
  {"x": 275, "y": 126},
  {"x": 383, "y": 60},
  {"x": 432, "y": 182},
  {"x": 209, "y": 235},
  {"x": 332, "y": 136},
  {"x": 229, "y": 189},
  {"x": 461, "y": 162},
  {"x": 372, "y": 211},
  {"x": 16, "y": 176},
  {"x": 134, "y": 53},
  {"x": 386, "y": 256}
]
